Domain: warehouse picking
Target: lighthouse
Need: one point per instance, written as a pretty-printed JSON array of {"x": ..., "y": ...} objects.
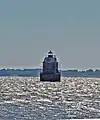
[{"x": 50, "y": 69}]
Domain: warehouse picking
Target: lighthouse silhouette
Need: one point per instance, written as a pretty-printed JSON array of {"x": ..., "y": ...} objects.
[{"x": 50, "y": 69}]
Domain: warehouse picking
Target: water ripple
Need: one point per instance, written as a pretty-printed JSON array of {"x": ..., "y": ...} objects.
[{"x": 23, "y": 98}]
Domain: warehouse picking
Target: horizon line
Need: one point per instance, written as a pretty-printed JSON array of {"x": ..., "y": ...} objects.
[{"x": 22, "y": 68}]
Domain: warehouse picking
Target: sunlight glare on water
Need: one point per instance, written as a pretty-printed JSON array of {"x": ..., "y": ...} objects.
[{"x": 26, "y": 98}]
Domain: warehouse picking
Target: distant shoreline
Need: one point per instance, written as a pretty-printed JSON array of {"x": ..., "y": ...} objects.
[{"x": 36, "y": 73}]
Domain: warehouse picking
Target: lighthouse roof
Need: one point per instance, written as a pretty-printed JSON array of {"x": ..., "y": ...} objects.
[
  {"x": 50, "y": 52},
  {"x": 50, "y": 57}
]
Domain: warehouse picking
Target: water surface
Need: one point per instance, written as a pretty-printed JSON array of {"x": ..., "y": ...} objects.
[{"x": 26, "y": 98}]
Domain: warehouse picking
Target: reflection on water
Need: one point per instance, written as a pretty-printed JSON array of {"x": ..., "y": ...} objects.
[{"x": 23, "y": 98}]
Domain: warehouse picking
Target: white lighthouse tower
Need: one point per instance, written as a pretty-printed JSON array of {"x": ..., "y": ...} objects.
[{"x": 50, "y": 69}]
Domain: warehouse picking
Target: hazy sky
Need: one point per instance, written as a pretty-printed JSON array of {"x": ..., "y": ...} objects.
[{"x": 29, "y": 28}]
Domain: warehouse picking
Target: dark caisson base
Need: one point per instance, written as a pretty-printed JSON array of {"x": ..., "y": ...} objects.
[{"x": 50, "y": 77}]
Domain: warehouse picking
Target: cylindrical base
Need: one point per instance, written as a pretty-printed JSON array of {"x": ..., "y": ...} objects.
[{"x": 50, "y": 77}]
